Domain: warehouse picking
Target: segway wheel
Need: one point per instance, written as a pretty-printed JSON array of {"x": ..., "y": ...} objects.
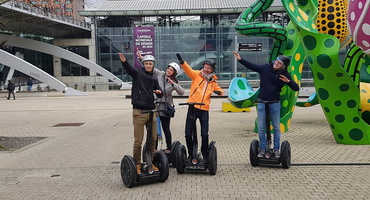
[
  {"x": 128, "y": 171},
  {"x": 160, "y": 160},
  {"x": 180, "y": 159},
  {"x": 212, "y": 160},
  {"x": 174, "y": 148},
  {"x": 253, "y": 152},
  {"x": 285, "y": 156}
]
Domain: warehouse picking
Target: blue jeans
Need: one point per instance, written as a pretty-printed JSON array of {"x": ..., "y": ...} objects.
[
  {"x": 274, "y": 118},
  {"x": 203, "y": 117}
]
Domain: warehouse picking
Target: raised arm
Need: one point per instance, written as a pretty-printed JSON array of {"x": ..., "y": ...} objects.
[
  {"x": 126, "y": 66},
  {"x": 187, "y": 69}
]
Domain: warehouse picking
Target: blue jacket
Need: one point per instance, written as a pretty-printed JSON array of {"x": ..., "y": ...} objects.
[
  {"x": 270, "y": 84},
  {"x": 143, "y": 85}
]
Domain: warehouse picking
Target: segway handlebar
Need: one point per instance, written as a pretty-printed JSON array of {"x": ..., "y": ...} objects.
[
  {"x": 268, "y": 102},
  {"x": 191, "y": 103},
  {"x": 150, "y": 111}
]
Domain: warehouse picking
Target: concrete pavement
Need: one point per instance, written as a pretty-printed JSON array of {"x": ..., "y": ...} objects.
[{"x": 83, "y": 162}]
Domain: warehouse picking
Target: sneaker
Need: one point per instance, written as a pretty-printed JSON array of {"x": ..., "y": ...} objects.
[
  {"x": 138, "y": 168},
  {"x": 155, "y": 168},
  {"x": 277, "y": 154},
  {"x": 261, "y": 154}
]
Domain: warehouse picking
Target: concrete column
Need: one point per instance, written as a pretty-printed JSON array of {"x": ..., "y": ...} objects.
[
  {"x": 92, "y": 55},
  {"x": 11, "y": 70},
  {"x": 57, "y": 67},
  {"x": 10, "y": 75},
  {"x": 92, "y": 47}
]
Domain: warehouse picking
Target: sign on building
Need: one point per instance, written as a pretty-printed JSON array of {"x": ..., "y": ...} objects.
[
  {"x": 250, "y": 46},
  {"x": 144, "y": 41}
]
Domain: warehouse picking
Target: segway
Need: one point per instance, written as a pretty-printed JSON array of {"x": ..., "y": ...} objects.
[
  {"x": 128, "y": 165},
  {"x": 269, "y": 158},
  {"x": 170, "y": 156},
  {"x": 196, "y": 163}
]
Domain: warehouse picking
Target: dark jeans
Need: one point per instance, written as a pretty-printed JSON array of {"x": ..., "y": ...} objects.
[
  {"x": 203, "y": 117},
  {"x": 166, "y": 122},
  {"x": 11, "y": 92}
]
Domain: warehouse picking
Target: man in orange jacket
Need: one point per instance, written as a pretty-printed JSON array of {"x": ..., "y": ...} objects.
[{"x": 202, "y": 86}]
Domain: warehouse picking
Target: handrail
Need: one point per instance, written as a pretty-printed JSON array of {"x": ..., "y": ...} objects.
[{"x": 44, "y": 13}]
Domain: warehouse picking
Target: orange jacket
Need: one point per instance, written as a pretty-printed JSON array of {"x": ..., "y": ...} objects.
[{"x": 201, "y": 89}]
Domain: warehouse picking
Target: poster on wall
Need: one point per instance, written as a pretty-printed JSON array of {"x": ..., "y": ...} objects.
[{"x": 144, "y": 41}]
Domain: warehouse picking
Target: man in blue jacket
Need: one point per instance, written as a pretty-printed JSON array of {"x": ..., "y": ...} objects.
[
  {"x": 144, "y": 86},
  {"x": 273, "y": 76}
]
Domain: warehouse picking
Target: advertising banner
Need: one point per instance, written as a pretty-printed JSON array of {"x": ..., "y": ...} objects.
[{"x": 144, "y": 41}]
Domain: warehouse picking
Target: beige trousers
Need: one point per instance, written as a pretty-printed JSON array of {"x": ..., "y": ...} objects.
[{"x": 140, "y": 122}]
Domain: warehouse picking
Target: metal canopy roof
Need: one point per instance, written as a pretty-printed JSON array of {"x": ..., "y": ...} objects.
[
  {"x": 21, "y": 20},
  {"x": 174, "y": 7}
]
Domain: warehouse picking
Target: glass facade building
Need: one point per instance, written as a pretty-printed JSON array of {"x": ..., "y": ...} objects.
[{"x": 195, "y": 40}]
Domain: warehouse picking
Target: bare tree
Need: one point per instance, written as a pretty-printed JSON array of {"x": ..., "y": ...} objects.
[
  {"x": 3, "y": 1},
  {"x": 89, "y": 3}
]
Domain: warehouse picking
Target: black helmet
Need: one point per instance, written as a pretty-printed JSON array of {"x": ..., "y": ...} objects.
[
  {"x": 285, "y": 59},
  {"x": 210, "y": 62}
]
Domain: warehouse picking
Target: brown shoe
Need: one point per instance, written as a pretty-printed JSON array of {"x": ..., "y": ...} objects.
[
  {"x": 138, "y": 168},
  {"x": 155, "y": 168}
]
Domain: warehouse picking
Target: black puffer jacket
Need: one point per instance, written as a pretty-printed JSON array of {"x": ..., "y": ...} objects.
[
  {"x": 11, "y": 86},
  {"x": 143, "y": 85}
]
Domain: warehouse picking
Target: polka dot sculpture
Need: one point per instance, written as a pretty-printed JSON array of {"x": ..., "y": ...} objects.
[
  {"x": 337, "y": 90},
  {"x": 359, "y": 23},
  {"x": 331, "y": 19}
]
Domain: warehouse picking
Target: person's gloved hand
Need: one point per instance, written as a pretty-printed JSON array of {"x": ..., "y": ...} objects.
[
  {"x": 179, "y": 58},
  {"x": 217, "y": 92}
]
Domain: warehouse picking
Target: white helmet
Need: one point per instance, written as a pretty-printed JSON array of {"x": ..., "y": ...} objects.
[
  {"x": 175, "y": 66},
  {"x": 148, "y": 58}
]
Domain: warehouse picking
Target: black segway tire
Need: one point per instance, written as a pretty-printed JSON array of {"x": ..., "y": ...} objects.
[
  {"x": 180, "y": 159},
  {"x": 285, "y": 156},
  {"x": 160, "y": 160},
  {"x": 128, "y": 171},
  {"x": 174, "y": 148},
  {"x": 253, "y": 152},
  {"x": 212, "y": 160}
]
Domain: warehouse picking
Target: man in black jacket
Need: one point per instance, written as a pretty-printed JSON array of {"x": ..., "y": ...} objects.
[
  {"x": 144, "y": 84},
  {"x": 273, "y": 76},
  {"x": 10, "y": 88}
]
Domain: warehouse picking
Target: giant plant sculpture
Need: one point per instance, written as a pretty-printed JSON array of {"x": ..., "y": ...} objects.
[{"x": 336, "y": 86}]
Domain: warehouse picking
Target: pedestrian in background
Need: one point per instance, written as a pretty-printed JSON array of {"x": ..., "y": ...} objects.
[
  {"x": 29, "y": 85},
  {"x": 10, "y": 88}
]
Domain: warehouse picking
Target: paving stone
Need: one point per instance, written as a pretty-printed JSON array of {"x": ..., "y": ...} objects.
[{"x": 82, "y": 162}]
